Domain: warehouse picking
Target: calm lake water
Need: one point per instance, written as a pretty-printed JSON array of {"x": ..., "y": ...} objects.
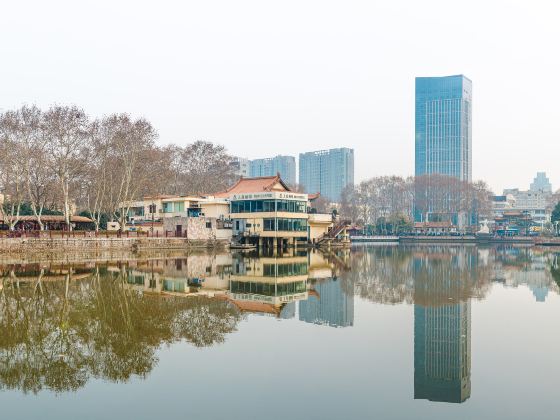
[{"x": 385, "y": 332}]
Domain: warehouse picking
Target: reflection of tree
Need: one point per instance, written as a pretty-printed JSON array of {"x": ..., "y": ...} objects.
[
  {"x": 206, "y": 321},
  {"x": 430, "y": 275},
  {"x": 381, "y": 274},
  {"x": 58, "y": 334},
  {"x": 445, "y": 275}
]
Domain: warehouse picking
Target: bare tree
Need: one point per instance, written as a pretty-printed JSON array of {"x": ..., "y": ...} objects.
[
  {"x": 208, "y": 168},
  {"x": 39, "y": 179},
  {"x": 12, "y": 173},
  {"x": 95, "y": 185},
  {"x": 66, "y": 129},
  {"x": 131, "y": 167}
]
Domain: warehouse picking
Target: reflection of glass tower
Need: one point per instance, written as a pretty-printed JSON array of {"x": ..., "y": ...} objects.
[
  {"x": 288, "y": 311},
  {"x": 442, "y": 352},
  {"x": 329, "y": 305}
]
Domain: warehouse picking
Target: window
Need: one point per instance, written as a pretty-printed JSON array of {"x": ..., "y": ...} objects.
[
  {"x": 286, "y": 225},
  {"x": 209, "y": 225},
  {"x": 269, "y": 224},
  {"x": 258, "y": 206}
]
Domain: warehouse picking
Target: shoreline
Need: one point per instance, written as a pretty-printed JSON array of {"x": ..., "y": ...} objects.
[
  {"x": 467, "y": 239},
  {"x": 29, "y": 246}
]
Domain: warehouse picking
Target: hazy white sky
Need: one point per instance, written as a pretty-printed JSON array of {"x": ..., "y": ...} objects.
[{"x": 265, "y": 77}]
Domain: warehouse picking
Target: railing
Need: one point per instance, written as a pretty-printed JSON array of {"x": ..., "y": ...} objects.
[
  {"x": 335, "y": 231},
  {"x": 57, "y": 234}
]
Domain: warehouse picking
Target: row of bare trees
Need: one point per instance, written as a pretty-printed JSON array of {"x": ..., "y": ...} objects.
[
  {"x": 393, "y": 200},
  {"x": 60, "y": 159}
]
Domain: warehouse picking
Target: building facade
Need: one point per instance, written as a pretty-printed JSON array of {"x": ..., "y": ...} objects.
[
  {"x": 283, "y": 165},
  {"x": 541, "y": 183},
  {"x": 327, "y": 172},
  {"x": 538, "y": 201},
  {"x": 265, "y": 212},
  {"x": 443, "y": 141},
  {"x": 240, "y": 166}
]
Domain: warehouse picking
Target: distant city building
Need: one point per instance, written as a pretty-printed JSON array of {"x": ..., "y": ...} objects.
[
  {"x": 443, "y": 143},
  {"x": 240, "y": 166},
  {"x": 541, "y": 183},
  {"x": 538, "y": 201},
  {"x": 327, "y": 172},
  {"x": 329, "y": 305},
  {"x": 283, "y": 165}
]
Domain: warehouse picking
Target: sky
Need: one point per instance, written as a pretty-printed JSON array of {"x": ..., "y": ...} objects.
[{"x": 284, "y": 77}]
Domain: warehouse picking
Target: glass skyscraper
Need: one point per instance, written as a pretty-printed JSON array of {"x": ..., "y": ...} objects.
[
  {"x": 283, "y": 165},
  {"x": 327, "y": 172},
  {"x": 443, "y": 126},
  {"x": 443, "y": 143}
]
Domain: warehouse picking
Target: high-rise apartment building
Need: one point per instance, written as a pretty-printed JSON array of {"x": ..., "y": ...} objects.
[
  {"x": 327, "y": 172},
  {"x": 443, "y": 143},
  {"x": 283, "y": 165},
  {"x": 240, "y": 166}
]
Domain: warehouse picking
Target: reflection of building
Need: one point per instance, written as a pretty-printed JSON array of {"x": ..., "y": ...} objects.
[
  {"x": 442, "y": 352},
  {"x": 196, "y": 275},
  {"x": 283, "y": 165},
  {"x": 327, "y": 172},
  {"x": 443, "y": 284},
  {"x": 526, "y": 267},
  {"x": 269, "y": 285},
  {"x": 328, "y": 305}
]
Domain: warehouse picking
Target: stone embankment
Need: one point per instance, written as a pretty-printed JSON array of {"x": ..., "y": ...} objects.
[{"x": 51, "y": 245}]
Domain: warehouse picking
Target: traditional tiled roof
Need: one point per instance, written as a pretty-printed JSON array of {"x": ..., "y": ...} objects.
[{"x": 254, "y": 185}]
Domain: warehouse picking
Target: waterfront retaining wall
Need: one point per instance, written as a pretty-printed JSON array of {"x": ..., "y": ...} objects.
[{"x": 50, "y": 245}]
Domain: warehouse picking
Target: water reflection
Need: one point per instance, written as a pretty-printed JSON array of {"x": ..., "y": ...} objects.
[{"x": 63, "y": 324}]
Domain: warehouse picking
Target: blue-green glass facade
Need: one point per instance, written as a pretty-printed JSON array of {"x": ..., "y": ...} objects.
[
  {"x": 443, "y": 126},
  {"x": 283, "y": 165},
  {"x": 443, "y": 143},
  {"x": 327, "y": 172}
]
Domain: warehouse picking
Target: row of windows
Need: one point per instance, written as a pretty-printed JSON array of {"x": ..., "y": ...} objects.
[
  {"x": 257, "y": 206},
  {"x": 285, "y": 225},
  {"x": 174, "y": 207},
  {"x": 282, "y": 270},
  {"x": 267, "y": 289}
]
